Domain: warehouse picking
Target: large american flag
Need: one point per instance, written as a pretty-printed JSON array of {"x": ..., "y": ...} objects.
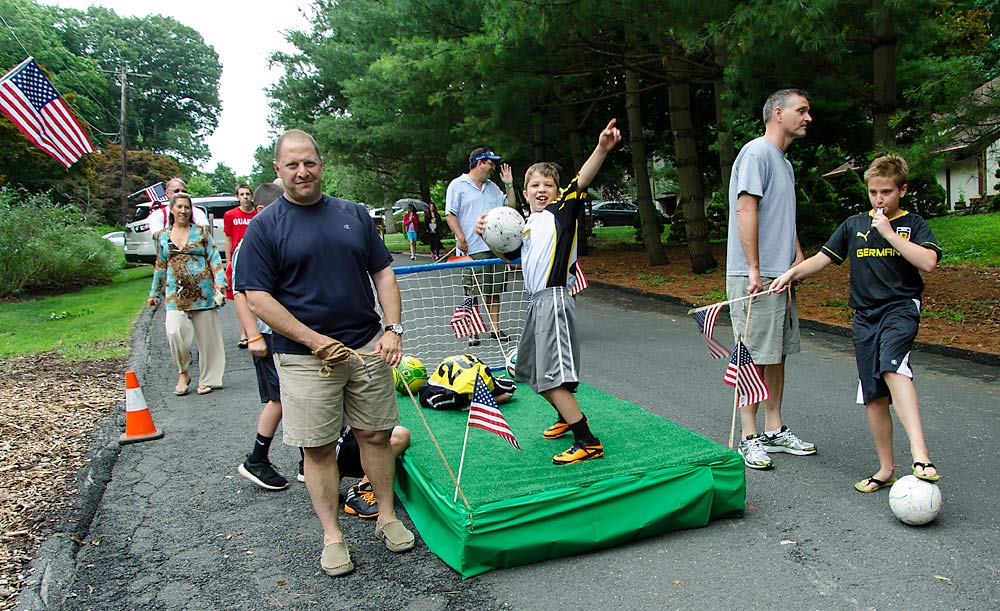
[
  {"x": 466, "y": 320},
  {"x": 33, "y": 105},
  {"x": 484, "y": 413},
  {"x": 706, "y": 324},
  {"x": 743, "y": 374}
]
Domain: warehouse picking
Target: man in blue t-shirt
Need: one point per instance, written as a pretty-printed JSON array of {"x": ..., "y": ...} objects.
[{"x": 307, "y": 266}]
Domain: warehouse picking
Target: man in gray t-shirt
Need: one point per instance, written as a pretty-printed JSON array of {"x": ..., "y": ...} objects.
[{"x": 762, "y": 245}]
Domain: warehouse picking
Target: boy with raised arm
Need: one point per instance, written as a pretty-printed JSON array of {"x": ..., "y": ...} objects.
[
  {"x": 548, "y": 356},
  {"x": 888, "y": 248}
]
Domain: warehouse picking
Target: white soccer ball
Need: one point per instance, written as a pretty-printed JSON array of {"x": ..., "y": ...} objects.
[
  {"x": 502, "y": 232},
  {"x": 511, "y": 362},
  {"x": 914, "y": 501}
]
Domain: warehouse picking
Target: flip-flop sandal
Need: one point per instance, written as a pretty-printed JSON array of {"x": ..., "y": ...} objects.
[
  {"x": 204, "y": 390},
  {"x": 925, "y": 466},
  {"x": 862, "y": 486},
  {"x": 181, "y": 393}
]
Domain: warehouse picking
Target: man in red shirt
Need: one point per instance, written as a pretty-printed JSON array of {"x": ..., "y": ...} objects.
[{"x": 234, "y": 225}]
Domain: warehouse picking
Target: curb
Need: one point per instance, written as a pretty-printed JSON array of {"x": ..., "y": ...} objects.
[
  {"x": 53, "y": 569},
  {"x": 814, "y": 325}
]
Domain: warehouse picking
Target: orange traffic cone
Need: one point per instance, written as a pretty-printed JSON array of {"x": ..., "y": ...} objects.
[{"x": 138, "y": 423}]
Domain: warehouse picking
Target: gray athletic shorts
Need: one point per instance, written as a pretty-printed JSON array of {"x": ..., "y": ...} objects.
[
  {"x": 774, "y": 321},
  {"x": 548, "y": 355},
  {"x": 315, "y": 409},
  {"x": 489, "y": 279}
]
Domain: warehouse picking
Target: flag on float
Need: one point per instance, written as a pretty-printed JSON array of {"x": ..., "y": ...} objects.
[
  {"x": 466, "y": 320},
  {"x": 34, "y": 106},
  {"x": 743, "y": 374},
  {"x": 484, "y": 413},
  {"x": 706, "y": 324},
  {"x": 581, "y": 280}
]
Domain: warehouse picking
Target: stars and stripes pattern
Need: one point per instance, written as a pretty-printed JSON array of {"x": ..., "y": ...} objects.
[
  {"x": 156, "y": 193},
  {"x": 706, "y": 324},
  {"x": 743, "y": 374},
  {"x": 581, "y": 280},
  {"x": 34, "y": 106},
  {"x": 484, "y": 414},
  {"x": 466, "y": 320}
]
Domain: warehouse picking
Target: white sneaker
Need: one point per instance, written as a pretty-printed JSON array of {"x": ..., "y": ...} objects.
[
  {"x": 787, "y": 441},
  {"x": 753, "y": 453}
]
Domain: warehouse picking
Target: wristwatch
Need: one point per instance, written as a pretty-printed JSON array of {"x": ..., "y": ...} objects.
[{"x": 397, "y": 329}]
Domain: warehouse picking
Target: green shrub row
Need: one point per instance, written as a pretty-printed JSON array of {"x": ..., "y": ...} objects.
[{"x": 48, "y": 247}]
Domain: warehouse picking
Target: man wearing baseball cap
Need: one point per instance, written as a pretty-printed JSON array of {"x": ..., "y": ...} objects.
[{"x": 470, "y": 196}]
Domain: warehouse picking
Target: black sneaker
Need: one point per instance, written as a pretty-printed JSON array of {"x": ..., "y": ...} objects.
[
  {"x": 474, "y": 340},
  {"x": 500, "y": 335},
  {"x": 361, "y": 501},
  {"x": 262, "y": 474},
  {"x": 301, "y": 475}
]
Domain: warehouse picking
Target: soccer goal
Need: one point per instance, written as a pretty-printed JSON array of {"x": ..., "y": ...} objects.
[{"x": 440, "y": 315}]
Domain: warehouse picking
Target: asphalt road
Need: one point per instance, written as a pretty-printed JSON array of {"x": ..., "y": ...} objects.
[{"x": 177, "y": 528}]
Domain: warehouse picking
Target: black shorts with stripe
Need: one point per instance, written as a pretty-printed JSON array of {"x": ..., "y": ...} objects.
[{"x": 883, "y": 338}]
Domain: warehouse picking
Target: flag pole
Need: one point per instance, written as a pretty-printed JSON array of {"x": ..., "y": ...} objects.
[
  {"x": 736, "y": 392},
  {"x": 730, "y": 301},
  {"x": 461, "y": 462}
]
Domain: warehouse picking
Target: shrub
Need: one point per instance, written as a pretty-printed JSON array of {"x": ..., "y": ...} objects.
[
  {"x": 46, "y": 246},
  {"x": 716, "y": 215}
]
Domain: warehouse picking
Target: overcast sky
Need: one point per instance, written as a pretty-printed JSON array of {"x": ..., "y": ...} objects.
[{"x": 243, "y": 37}]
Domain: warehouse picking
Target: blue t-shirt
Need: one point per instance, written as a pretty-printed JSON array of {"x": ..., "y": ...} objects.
[{"x": 316, "y": 261}]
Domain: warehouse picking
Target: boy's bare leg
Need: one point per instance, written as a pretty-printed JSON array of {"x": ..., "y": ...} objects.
[
  {"x": 565, "y": 403},
  {"x": 270, "y": 416},
  {"x": 880, "y": 423},
  {"x": 493, "y": 308},
  {"x": 323, "y": 484},
  {"x": 904, "y": 400},
  {"x": 399, "y": 440}
]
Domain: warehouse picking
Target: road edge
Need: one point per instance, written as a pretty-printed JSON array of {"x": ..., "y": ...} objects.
[{"x": 52, "y": 571}]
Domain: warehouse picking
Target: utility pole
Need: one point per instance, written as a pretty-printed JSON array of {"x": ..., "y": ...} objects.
[{"x": 123, "y": 75}]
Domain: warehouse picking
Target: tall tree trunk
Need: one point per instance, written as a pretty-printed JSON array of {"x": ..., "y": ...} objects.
[
  {"x": 647, "y": 213},
  {"x": 387, "y": 201},
  {"x": 723, "y": 112},
  {"x": 576, "y": 150},
  {"x": 884, "y": 74},
  {"x": 424, "y": 182},
  {"x": 692, "y": 197},
  {"x": 538, "y": 132}
]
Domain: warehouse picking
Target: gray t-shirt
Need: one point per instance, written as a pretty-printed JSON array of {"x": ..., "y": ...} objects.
[
  {"x": 762, "y": 170},
  {"x": 468, "y": 203}
]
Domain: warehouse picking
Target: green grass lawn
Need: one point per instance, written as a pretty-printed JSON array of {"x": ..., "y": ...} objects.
[
  {"x": 970, "y": 239},
  {"x": 94, "y": 323}
]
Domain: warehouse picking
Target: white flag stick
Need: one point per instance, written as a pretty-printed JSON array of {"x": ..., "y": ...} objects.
[
  {"x": 699, "y": 309},
  {"x": 736, "y": 393},
  {"x": 461, "y": 462}
]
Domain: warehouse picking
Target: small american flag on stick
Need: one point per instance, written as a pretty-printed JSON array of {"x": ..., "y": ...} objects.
[
  {"x": 484, "y": 414},
  {"x": 706, "y": 324},
  {"x": 743, "y": 374},
  {"x": 466, "y": 320}
]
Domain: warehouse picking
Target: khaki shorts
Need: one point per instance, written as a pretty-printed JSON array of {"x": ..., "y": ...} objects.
[
  {"x": 315, "y": 409},
  {"x": 774, "y": 321},
  {"x": 492, "y": 279}
]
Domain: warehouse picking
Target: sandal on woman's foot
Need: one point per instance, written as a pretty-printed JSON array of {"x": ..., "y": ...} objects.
[
  {"x": 925, "y": 466},
  {"x": 204, "y": 390},
  {"x": 863, "y": 485},
  {"x": 182, "y": 389}
]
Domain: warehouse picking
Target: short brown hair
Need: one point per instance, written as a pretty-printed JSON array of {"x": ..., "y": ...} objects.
[
  {"x": 295, "y": 134},
  {"x": 892, "y": 167},
  {"x": 545, "y": 168}
]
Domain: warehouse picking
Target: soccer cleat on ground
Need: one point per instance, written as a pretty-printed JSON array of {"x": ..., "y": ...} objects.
[
  {"x": 786, "y": 441},
  {"x": 361, "y": 501},
  {"x": 753, "y": 453},
  {"x": 262, "y": 474},
  {"x": 579, "y": 452},
  {"x": 556, "y": 431}
]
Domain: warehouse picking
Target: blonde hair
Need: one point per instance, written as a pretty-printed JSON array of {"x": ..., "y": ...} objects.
[
  {"x": 545, "y": 168},
  {"x": 892, "y": 167}
]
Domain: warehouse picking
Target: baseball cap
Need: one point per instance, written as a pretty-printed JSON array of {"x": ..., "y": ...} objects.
[{"x": 480, "y": 154}]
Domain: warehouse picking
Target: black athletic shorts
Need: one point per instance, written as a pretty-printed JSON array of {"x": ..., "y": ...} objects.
[
  {"x": 883, "y": 338},
  {"x": 267, "y": 374},
  {"x": 349, "y": 455}
]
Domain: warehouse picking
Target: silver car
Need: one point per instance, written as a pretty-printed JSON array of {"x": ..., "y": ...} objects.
[{"x": 139, "y": 241}]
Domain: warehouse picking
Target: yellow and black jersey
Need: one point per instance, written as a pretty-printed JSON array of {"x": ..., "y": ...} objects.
[
  {"x": 548, "y": 250},
  {"x": 879, "y": 273}
]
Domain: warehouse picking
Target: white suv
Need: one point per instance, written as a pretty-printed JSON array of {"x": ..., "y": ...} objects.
[{"x": 139, "y": 241}]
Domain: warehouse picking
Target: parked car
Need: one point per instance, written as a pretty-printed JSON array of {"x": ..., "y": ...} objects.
[
  {"x": 139, "y": 241},
  {"x": 613, "y": 214},
  {"x": 116, "y": 237}
]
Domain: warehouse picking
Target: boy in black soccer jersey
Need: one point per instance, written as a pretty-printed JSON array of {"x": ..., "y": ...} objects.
[
  {"x": 548, "y": 356},
  {"x": 888, "y": 248}
]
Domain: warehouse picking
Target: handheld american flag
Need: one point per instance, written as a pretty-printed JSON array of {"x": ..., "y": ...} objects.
[
  {"x": 156, "y": 193},
  {"x": 466, "y": 320},
  {"x": 484, "y": 413},
  {"x": 35, "y": 107},
  {"x": 743, "y": 374},
  {"x": 706, "y": 324},
  {"x": 581, "y": 280}
]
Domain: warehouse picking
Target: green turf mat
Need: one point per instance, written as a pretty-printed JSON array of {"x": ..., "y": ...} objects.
[{"x": 656, "y": 476}]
